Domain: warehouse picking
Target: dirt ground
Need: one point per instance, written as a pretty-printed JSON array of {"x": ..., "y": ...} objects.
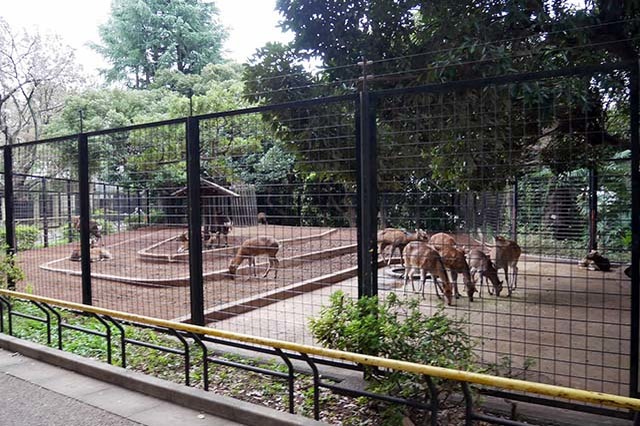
[
  {"x": 172, "y": 301},
  {"x": 563, "y": 325}
]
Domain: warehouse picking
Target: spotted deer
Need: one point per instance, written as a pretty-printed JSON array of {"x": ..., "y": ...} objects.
[
  {"x": 506, "y": 254},
  {"x": 398, "y": 239},
  {"x": 420, "y": 256},
  {"x": 254, "y": 247}
]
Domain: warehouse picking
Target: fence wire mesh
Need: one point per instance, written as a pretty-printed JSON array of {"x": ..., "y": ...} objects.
[{"x": 533, "y": 162}]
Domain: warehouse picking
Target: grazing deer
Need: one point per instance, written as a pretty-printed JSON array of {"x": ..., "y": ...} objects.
[
  {"x": 254, "y": 247},
  {"x": 183, "y": 239},
  {"x": 96, "y": 255},
  {"x": 506, "y": 254},
  {"x": 398, "y": 239},
  {"x": 441, "y": 240},
  {"x": 94, "y": 230},
  {"x": 454, "y": 260},
  {"x": 221, "y": 225},
  {"x": 596, "y": 261},
  {"x": 418, "y": 255},
  {"x": 627, "y": 271},
  {"x": 481, "y": 264},
  {"x": 262, "y": 218}
]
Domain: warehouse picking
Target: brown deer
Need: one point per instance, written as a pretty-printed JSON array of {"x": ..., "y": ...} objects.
[
  {"x": 454, "y": 260},
  {"x": 418, "y": 255},
  {"x": 254, "y": 247},
  {"x": 506, "y": 254},
  {"x": 596, "y": 262},
  {"x": 221, "y": 225},
  {"x": 481, "y": 264},
  {"x": 183, "y": 239},
  {"x": 96, "y": 255},
  {"x": 94, "y": 229},
  {"x": 398, "y": 239},
  {"x": 441, "y": 240},
  {"x": 262, "y": 218}
]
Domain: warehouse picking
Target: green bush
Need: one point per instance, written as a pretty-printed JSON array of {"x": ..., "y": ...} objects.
[
  {"x": 395, "y": 328},
  {"x": 26, "y": 236},
  {"x": 156, "y": 216}
]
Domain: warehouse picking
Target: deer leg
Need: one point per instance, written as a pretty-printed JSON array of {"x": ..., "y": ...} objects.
[
  {"x": 393, "y": 248},
  {"x": 506, "y": 277},
  {"x": 423, "y": 280},
  {"x": 407, "y": 273},
  {"x": 276, "y": 265},
  {"x": 382, "y": 247},
  {"x": 514, "y": 270},
  {"x": 268, "y": 269},
  {"x": 436, "y": 284},
  {"x": 454, "y": 278}
]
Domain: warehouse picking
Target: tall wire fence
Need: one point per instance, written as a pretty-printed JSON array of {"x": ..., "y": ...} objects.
[{"x": 174, "y": 214}]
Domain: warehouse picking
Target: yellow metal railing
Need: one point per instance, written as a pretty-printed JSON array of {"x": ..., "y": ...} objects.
[{"x": 572, "y": 394}]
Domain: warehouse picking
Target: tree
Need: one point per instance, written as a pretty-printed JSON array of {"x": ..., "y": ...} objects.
[
  {"x": 414, "y": 42},
  {"x": 36, "y": 72},
  {"x": 145, "y": 36}
]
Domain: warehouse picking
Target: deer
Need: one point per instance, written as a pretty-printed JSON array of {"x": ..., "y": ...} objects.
[
  {"x": 454, "y": 260},
  {"x": 262, "y": 218},
  {"x": 480, "y": 263},
  {"x": 418, "y": 255},
  {"x": 221, "y": 226},
  {"x": 94, "y": 230},
  {"x": 96, "y": 255},
  {"x": 183, "y": 239},
  {"x": 254, "y": 247},
  {"x": 441, "y": 240},
  {"x": 506, "y": 254},
  {"x": 398, "y": 239},
  {"x": 596, "y": 262}
]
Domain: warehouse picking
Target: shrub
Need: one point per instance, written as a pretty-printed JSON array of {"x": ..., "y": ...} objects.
[
  {"x": 26, "y": 236},
  {"x": 156, "y": 216},
  {"x": 396, "y": 328}
]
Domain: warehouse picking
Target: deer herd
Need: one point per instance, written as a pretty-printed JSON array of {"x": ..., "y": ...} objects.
[{"x": 436, "y": 255}]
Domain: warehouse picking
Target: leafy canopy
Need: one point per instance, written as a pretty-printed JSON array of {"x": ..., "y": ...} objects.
[{"x": 145, "y": 36}]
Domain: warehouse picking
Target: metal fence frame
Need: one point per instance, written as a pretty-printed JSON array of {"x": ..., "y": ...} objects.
[{"x": 365, "y": 141}]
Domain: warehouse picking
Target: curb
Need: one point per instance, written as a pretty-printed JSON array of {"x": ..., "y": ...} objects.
[{"x": 195, "y": 399}]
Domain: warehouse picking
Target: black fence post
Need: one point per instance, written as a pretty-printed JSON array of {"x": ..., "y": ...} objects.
[
  {"x": 45, "y": 212},
  {"x": 85, "y": 210},
  {"x": 195, "y": 221},
  {"x": 69, "y": 212},
  {"x": 10, "y": 224},
  {"x": 635, "y": 231},
  {"x": 514, "y": 211},
  {"x": 593, "y": 207},
  {"x": 147, "y": 206},
  {"x": 367, "y": 190}
]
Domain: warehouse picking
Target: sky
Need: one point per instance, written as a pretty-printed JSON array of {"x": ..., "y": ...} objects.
[{"x": 250, "y": 23}]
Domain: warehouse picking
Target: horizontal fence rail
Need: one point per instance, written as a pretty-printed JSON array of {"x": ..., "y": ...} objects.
[
  {"x": 109, "y": 317},
  {"x": 248, "y": 220}
]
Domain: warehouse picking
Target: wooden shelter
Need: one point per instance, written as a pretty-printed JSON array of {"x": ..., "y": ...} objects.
[{"x": 216, "y": 200}]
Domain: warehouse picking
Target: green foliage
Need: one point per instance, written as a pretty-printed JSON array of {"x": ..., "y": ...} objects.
[
  {"x": 26, "y": 236},
  {"x": 145, "y": 36},
  {"x": 467, "y": 143},
  {"x": 395, "y": 328},
  {"x": 10, "y": 272}
]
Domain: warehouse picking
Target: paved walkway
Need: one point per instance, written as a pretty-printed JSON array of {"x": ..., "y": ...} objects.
[
  {"x": 35, "y": 393},
  {"x": 42, "y": 393}
]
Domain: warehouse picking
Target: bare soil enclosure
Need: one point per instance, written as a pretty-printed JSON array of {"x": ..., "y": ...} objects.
[{"x": 172, "y": 301}]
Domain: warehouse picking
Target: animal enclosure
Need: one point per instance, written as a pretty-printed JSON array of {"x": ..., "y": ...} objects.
[{"x": 522, "y": 160}]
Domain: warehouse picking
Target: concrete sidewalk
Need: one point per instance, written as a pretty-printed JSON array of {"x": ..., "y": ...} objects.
[{"x": 36, "y": 393}]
